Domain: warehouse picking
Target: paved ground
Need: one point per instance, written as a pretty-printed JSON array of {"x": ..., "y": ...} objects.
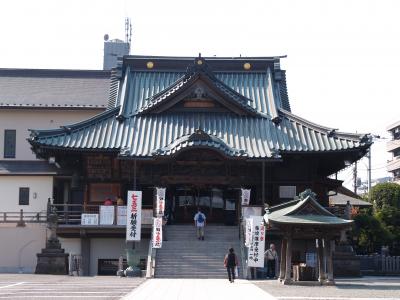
[
  {"x": 197, "y": 289},
  {"x": 366, "y": 288},
  {"x": 28, "y": 286}
]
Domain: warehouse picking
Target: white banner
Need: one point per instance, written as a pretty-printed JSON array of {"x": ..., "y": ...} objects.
[
  {"x": 134, "y": 216},
  {"x": 245, "y": 197},
  {"x": 90, "y": 219},
  {"x": 121, "y": 215},
  {"x": 160, "y": 201},
  {"x": 157, "y": 232},
  {"x": 249, "y": 232},
  {"x": 106, "y": 214},
  {"x": 256, "y": 249}
]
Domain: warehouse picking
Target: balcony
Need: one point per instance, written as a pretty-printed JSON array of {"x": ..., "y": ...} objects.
[
  {"x": 392, "y": 145},
  {"x": 393, "y": 164},
  {"x": 95, "y": 219}
]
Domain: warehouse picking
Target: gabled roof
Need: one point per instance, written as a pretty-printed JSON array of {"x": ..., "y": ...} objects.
[
  {"x": 261, "y": 87},
  {"x": 305, "y": 211},
  {"x": 199, "y": 71},
  {"x": 39, "y": 88}
]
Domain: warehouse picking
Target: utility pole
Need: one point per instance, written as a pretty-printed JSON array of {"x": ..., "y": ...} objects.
[
  {"x": 369, "y": 171},
  {"x": 355, "y": 177}
]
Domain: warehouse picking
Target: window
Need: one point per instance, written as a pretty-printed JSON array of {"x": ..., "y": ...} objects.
[
  {"x": 287, "y": 191},
  {"x": 23, "y": 196},
  {"x": 9, "y": 143}
]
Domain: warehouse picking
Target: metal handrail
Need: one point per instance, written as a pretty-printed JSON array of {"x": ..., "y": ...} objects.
[
  {"x": 243, "y": 250},
  {"x": 151, "y": 260}
]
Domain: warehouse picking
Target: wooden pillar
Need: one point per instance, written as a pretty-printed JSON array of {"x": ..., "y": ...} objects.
[
  {"x": 330, "y": 260},
  {"x": 263, "y": 182},
  {"x": 134, "y": 174},
  {"x": 282, "y": 268},
  {"x": 321, "y": 269},
  {"x": 288, "y": 267}
]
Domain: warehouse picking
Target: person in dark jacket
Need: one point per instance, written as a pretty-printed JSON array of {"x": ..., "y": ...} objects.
[{"x": 230, "y": 263}]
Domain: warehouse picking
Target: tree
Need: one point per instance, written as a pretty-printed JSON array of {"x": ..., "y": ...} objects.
[
  {"x": 369, "y": 235},
  {"x": 385, "y": 194},
  {"x": 386, "y": 200}
]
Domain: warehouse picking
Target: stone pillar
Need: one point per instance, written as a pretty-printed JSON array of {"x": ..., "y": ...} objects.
[
  {"x": 288, "y": 267},
  {"x": 330, "y": 261},
  {"x": 321, "y": 269},
  {"x": 85, "y": 251},
  {"x": 282, "y": 268}
]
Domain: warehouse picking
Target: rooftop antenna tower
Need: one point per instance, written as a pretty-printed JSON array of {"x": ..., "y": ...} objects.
[{"x": 128, "y": 33}]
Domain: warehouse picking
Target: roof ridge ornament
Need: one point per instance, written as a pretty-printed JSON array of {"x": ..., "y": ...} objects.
[{"x": 307, "y": 193}]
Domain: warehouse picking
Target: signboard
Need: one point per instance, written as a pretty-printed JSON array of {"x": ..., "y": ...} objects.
[
  {"x": 160, "y": 201},
  {"x": 134, "y": 216},
  {"x": 245, "y": 197},
  {"x": 249, "y": 232},
  {"x": 249, "y": 211},
  {"x": 256, "y": 249},
  {"x": 157, "y": 232},
  {"x": 121, "y": 215},
  {"x": 90, "y": 219},
  {"x": 311, "y": 259},
  {"x": 106, "y": 214}
]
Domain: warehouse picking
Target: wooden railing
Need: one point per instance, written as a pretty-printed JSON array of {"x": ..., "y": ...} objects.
[
  {"x": 71, "y": 214},
  {"x": 23, "y": 217}
]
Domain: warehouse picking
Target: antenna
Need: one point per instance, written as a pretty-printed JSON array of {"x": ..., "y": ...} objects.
[{"x": 128, "y": 33}]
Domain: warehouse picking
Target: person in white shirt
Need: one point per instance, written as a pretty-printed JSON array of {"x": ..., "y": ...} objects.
[
  {"x": 200, "y": 223},
  {"x": 271, "y": 256}
]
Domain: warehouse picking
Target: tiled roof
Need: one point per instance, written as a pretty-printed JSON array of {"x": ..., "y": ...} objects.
[
  {"x": 305, "y": 211},
  {"x": 8, "y": 167},
  {"x": 130, "y": 131},
  {"x": 29, "y": 88},
  {"x": 152, "y": 135}
]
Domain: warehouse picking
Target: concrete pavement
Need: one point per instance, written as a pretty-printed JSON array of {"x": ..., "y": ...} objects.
[{"x": 197, "y": 289}]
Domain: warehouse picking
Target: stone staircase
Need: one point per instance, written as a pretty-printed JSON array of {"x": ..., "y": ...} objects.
[{"x": 184, "y": 256}]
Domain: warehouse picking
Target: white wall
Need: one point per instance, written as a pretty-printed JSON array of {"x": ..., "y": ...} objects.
[
  {"x": 71, "y": 245},
  {"x": 19, "y": 246},
  {"x": 9, "y": 192},
  {"x": 23, "y": 119}
]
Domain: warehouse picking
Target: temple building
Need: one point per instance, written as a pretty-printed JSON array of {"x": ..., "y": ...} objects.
[{"x": 203, "y": 128}]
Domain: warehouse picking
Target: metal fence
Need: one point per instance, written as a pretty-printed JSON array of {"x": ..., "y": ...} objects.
[{"x": 379, "y": 264}]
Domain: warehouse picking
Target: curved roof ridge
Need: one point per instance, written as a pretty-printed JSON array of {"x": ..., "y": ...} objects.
[
  {"x": 78, "y": 125},
  {"x": 321, "y": 128}
]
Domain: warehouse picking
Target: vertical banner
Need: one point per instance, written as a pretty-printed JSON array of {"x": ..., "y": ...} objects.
[
  {"x": 245, "y": 196},
  {"x": 256, "y": 249},
  {"x": 249, "y": 232},
  {"x": 134, "y": 216},
  {"x": 157, "y": 232},
  {"x": 160, "y": 201}
]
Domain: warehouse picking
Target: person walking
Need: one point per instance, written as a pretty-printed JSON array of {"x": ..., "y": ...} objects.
[
  {"x": 200, "y": 223},
  {"x": 231, "y": 262},
  {"x": 271, "y": 256}
]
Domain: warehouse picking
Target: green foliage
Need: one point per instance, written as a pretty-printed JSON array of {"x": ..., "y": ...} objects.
[
  {"x": 385, "y": 194},
  {"x": 369, "y": 234},
  {"x": 380, "y": 226}
]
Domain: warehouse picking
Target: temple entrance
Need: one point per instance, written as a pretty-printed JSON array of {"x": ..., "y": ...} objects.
[{"x": 219, "y": 203}]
